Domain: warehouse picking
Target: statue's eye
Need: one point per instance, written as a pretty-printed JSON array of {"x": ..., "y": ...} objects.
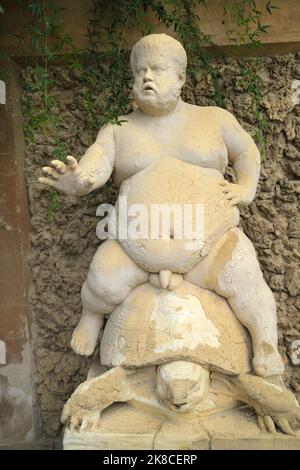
[{"x": 158, "y": 68}]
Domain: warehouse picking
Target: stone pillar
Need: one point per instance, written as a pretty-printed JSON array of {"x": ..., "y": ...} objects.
[{"x": 16, "y": 385}]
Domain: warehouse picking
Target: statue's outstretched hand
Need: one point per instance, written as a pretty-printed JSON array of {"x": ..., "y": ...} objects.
[
  {"x": 68, "y": 178},
  {"x": 235, "y": 194}
]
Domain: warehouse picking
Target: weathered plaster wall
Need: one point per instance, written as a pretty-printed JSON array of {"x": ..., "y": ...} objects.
[
  {"x": 61, "y": 249},
  {"x": 16, "y": 388}
]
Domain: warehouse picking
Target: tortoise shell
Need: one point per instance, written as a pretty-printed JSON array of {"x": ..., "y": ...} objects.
[{"x": 156, "y": 326}]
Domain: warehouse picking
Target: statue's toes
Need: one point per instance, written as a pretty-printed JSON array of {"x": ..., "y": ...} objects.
[
  {"x": 270, "y": 424},
  {"x": 85, "y": 425},
  {"x": 75, "y": 423},
  {"x": 267, "y": 423},
  {"x": 81, "y": 342},
  {"x": 260, "y": 370},
  {"x": 267, "y": 362},
  {"x": 90, "y": 421},
  {"x": 261, "y": 423},
  {"x": 284, "y": 425},
  {"x": 65, "y": 413}
]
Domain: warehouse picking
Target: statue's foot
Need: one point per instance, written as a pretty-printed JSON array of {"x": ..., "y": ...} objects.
[
  {"x": 267, "y": 361},
  {"x": 85, "y": 335}
]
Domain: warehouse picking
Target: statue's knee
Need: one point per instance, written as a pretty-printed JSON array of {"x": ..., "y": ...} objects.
[
  {"x": 108, "y": 286},
  {"x": 93, "y": 301},
  {"x": 107, "y": 258}
]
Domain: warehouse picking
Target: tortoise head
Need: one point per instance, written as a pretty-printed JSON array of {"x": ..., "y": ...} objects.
[{"x": 181, "y": 385}]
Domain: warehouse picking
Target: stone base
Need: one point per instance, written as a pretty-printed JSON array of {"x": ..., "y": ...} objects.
[{"x": 123, "y": 427}]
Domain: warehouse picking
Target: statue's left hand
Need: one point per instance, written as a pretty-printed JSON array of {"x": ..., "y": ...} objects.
[{"x": 235, "y": 193}]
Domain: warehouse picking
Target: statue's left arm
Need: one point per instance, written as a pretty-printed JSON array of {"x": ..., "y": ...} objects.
[{"x": 245, "y": 158}]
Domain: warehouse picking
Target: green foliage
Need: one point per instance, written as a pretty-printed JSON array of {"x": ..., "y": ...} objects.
[
  {"x": 250, "y": 83},
  {"x": 43, "y": 32},
  {"x": 53, "y": 199},
  {"x": 248, "y": 27},
  {"x": 44, "y": 37}
]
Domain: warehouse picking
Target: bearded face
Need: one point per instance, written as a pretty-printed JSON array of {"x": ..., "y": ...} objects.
[{"x": 157, "y": 83}]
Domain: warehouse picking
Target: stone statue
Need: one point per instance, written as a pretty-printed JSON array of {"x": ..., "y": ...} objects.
[{"x": 176, "y": 310}]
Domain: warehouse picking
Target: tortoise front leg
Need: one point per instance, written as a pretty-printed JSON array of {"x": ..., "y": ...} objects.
[
  {"x": 272, "y": 401},
  {"x": 90, "y": 398}
]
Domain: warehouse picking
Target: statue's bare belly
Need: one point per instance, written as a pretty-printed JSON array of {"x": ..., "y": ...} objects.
[{"x": 171, "y": 181}]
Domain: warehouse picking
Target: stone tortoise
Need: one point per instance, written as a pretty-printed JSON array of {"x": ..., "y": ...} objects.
[{"x": 179, "y": 351}]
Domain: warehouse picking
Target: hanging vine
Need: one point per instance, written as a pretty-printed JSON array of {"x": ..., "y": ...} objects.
[{"x": 44, "y": 38}]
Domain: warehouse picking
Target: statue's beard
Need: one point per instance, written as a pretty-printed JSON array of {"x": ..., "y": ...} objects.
[{"x": 156, "y": 104}]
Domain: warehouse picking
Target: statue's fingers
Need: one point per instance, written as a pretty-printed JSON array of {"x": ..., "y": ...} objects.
[
  {"x": 59, "y": 166},
  {"x": 270, "y": 424},
  {"x": 285, "y": 427},
  {"x": 48, "y": 181},
  {"x": 223, "y": 183},
  {"x": 50, "y": 172},
  {"x": 261, "y": 423},
  {"x": 72, "y": 162}
]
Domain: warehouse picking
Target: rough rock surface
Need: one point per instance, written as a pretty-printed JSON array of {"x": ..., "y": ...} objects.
[{"x": 62, "y": 247}]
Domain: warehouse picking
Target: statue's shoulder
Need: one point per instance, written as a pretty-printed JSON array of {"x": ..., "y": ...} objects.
[
  {"x": 209, "y": 111},
  {"x": 112, "y": 129},
  {"x": 123, "y": 121}
]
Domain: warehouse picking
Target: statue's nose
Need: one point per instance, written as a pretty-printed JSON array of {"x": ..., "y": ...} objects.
[{"x": 148, "y": 75}]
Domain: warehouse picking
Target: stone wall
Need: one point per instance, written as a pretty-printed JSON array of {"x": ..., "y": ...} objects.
[{"x": 62, "y": 248}]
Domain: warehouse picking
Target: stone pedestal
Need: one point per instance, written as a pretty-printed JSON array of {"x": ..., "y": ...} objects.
[{"x": 123, "y": 427}]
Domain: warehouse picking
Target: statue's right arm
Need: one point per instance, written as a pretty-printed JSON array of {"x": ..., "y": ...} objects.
[{"x": 92, "y": 171}]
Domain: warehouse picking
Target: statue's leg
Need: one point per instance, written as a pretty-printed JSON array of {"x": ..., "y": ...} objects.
[
  {"x": 232, "y": 270},
  {"x": 112, "y": 275}
]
